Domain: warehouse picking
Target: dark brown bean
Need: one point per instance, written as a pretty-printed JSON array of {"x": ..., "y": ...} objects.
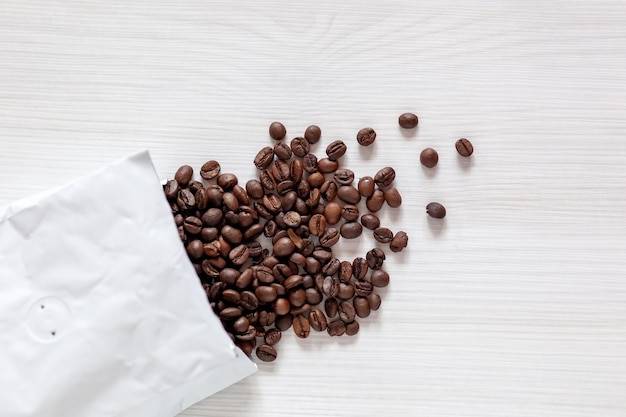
[
  {"x": 317, "y": 320},
  {"x": 344, "y": 176},
  {"x": 328, "y": 190},
  {"x": 331, "y": 307},
  {"x": 352, "y": 328},
  {"x": 254, "y": 189},
  {"x": 317, "y": 225},
  {"x": 336, "y": 150},
  {"x": 384, "y": 177},
  {"x": 349, "y": 194},
  {"x": 359, "y": 267},
  {"x": 366, "y": 136},
  {"x": 374, "y": 301},
  {"x": 186, "y": 200},
  {"x": 249, "y": 301},
  {"x": 241, "y": 325},
  {"x": 266, "y": 294},
  {"x": 300, "y": 146},
  {"x": 227, "y": 181},
  {"x": 230, "y": 313},
  {"x": 329, "y": 238},
  {"x": 363, "y": 288},
  {"x": 313, "y": 296},
  {"x": 376, "y": 201},
  {"x": 195, "y": 249},
  {"x": 408, "y": 120},
  {"x": 375, "y": 258},
  {"x": 239, "y": 254},
  {"x": 332, "y": 213},
  {"x": 383, "y": 235},
  {"x": 192, "y": 225},
  {"x": 436, "y": 210},
  {"x": 309, "y": 163},
  {"x": 370, "y": 221},
  {"x": 392, "y": 197},
  {"x": 366, "y": 186},
  {"x": 272, "y": 336},
  {"x": 399, "y": 242},
  {"x": 327, "y": 166},
  {"x": 277, "y": 130},
  {"x": 429, "y": 157},
  {"x": 266, "y": 353},
  {"x": 183, "y": 175},
  {"x": 282, "y": 151},
  {"x": 464, "y": 147},
  {"x": 315, "y": 179},
  {"x": 336, "y": 328},
  {"x": 301, "y": 326},
  {"x": 346, "y": 291},
  {"x": 283, "y": 323},
  {"x": 350, "y": 212},
  {"x": 210, "y": 170},
  {"x": 296, "y": 169},
  {"x": 283, "y": 247},
  {"x": 313, "y": 134},
  {"x": 171, "y": 189},
  {"x": 379, "y": 278},
  {"x": 351, "y": 230},
  {"x": 361, "y": 306},
  {"x": 280, "y": 171}
]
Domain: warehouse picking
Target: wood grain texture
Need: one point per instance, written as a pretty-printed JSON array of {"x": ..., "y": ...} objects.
[{"x": 514, "y": 306}]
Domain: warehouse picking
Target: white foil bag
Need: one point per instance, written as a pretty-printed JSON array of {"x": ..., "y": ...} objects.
[{"x": 101, "y": 312}]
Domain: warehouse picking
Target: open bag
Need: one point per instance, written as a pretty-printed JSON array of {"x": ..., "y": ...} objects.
[{"x": 101, "y": 311}]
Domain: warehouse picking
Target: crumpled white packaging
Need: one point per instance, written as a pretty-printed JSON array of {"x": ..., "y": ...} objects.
[{"x": 101, "y": 312}]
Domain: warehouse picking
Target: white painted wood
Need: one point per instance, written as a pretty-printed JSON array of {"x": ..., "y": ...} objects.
[{"x": 514, "y": 306}]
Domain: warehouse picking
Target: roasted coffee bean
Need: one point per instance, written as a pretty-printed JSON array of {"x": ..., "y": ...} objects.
[
  {"x": 331, "y": 307},
  {"x": 231, "y": 297},
  {"x": 344, "y": 176},
  {"x": 436, "y": 210},
  {"x": 249, "y": 300},
  {"x": 374, "y": 301},
  {"x": 305, "y": 310},
  {"x": 229, "y": 276},
  {"x": 277, "y": 130},
  {"x": 183, "y": 175},
  {"x": 348, "y": 194},
  {"x": 375, "y": 258},
  {"x": 202, "y": 201},
  {"x": 384, "y": 177},
  {"x": 272, "y": 203},
  {"x": 225, "y": 246},
  {"x": 216, "y": 289},
  {"x": 376, "y": 201},
  {"x": 330, "y": 288},
  {"x": 212, "y": 217},
  {"x": 210, "y": 170},
  {"x": 179, "y": 219},
  {"x": 408, "y": 120},
  {"x": 346, "y": 291},
  {"x": 309, "y": 163},
  {"x": 270, "y": 228},
  {"x": 283, "y": 247},
  {"x": 281, "y": 272},
  {"x": 350, "y": 212},
  {"x": 289, "y": 200},
  {"x": 331, "y": 267},
  {"x": 359, "y": 267},
  {"x": 317, "y": 320},
  {"x": 254, "y": 189},
  {"x": 383, "y": 235},
  {"x": 298, "y": 259},
  {"x": 246, "y": 219},
  {"x": 266, "y": 318},
  {"x": 370, "y": 221},
  {"x": 283, "y": 323},
  {"x": 262, "y": 211},
  {"x": 171, "y": 189},
  {"x": 336, "y": 150},
  {"x": 214, "y": 195},
  {"x": 328, "y": 190},
  {"x": 195, "y": 249},
  {"x": 352, "y": 328},
  {"x": 345, "y": 271},
  {"x": 429, "y": 157},
  {"x": 231, "y": 202},
  {"x": 392, "y": 197},
  {"x": 399, "y": 242},
  {"x": 361, "y": 306},
  {"x": 232, "y": 235},
  {"x": 266, "y": 294},
  {"x": 332, "y": 213},
  {"x": 303, "y": 189},
  {"x": 307, "y": 247},
  {"x": 308, "y": 281},
  {"x": 293, "y": 281},
  {"x": 253, "y": 232},
  {"x": 264, "y": 274},
  {"x": 266, "y": 353},
  {"x": 327, "y": 166},
  {"x": 272, "y": 336},
  {"x": 366, "y": 186},
  {"x": 313, "y": 296},
  {"x": 363, "y": 288},
  {"x": 464, "y": 147},
  {"x": 230, "y": 313},
  {"x": 282, "y": 151},
  {"x": 351, "y": 230},
  {"x": 254, "y": 247},
  {"x": 266, "y": 180},
  {"x": 322, "y": 254},
  {"x": 239, "y": 255},
  {"x": 329, "y": 238},
  {"x": 315, "y": 179},
  {"x": 292, "y": 219},
  {"x": 366, "y": 136},
  {"x": 212, "y": 249},
  {"x": 336, "y": 328},
  {"x": 218, "y": 263},
  {"x": 300, "y": 146},
  {"x": 241, "y": 325},
  {"x": 248, "y": 335},
  {"x": 296, "y": 170},
  {"x": 186, "y": 200},
  {"x": 284, "y": 187},
  {"x": 192, "y": 225},
  {"x": 280, "y": 171},
  {"x": 317, "y": 225},
  {"x": 297, "y": 297},
  {"x": 379, "y": 278},
  {"x": 313, "y": 134},
  {"x": 209, "y": 234},
  {"x": 301, "y": 326},
  {"x": 227, "y": 181},
  {"x": 313, "y": 266},
  {"x": 194, "y": 186}
]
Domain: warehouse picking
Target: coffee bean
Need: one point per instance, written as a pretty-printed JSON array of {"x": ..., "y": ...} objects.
[
  {"x": 282, "y": 272},
  {"x": 231, "y": 202},
  {"x": 183, "y": 175},
  {"x": 266, "y": 294},
  {"x": 361, "y": 306},
  {"x": 246, "y": 347},
  {"x": 374, "y": 301},
  {"x": 436, "y": 210},
  {"x": 315, "y": 179},
  {"x": 210, "y": 170},
  {"x": 292, "y": 219},
  {"x": 336, "y": 150},
  {"x": 297, "y": 297},
  {"x": 359, "y": 267},
  {"x": 266, "y": 318},
  {"x": 317, "y": 225},
  {"x": 272, "y": 336},
  {"x": 267, "y": 181},
  {"x": 241, "y": 325},
  {"x": 186, "y": 200},
  {"x": 352, "y": 328},
  {"x": 282, "y": 151},
  {"x": 351, "y": 230},
  {"x": 408, "y": 120},
  {"x": 277, "y": 131},
  {"x": 350, "y": 212},
  {"x": 328, "y": 190},
  {"x": 266, "y": 353},
  {"x": 232, "y": 235},
  {"x": 283, "y": 247},
  {"x": 383, "y": 235},
  {"x": 330, "y": 287},
  {"x": 314, "y": 198},
  {"x": 305, "y": 310},
  {"x": 194, "y": 186},
  {"x": 303, "y": 189},
  {"x": 313, "y": 266},
  {"x": 346, "y": 291},
  {"x": 232, "y": 297},
  {"x": 309, "y": 163},
  {"x": 229, "y": 276},
  {"x": 296, "y": 170},
  {"x": 254, "y": 189},
  {"x": 392, "y": 197},
  {"x": 399, "y": 242},
  {"x": 272, "y": 203},
  {"x": 429, "y": 157},
  {"x": 329, "y": 238},
  {"x": 301, "y": 326},
  {"x": 317, "y": 320},
  {"x": 384, "y": 177},
  {"x": 379, "y": 278},
  {"x": 214, "y": 195},
  {"x": 230, "y": 313},
  {"x": 192, "y": 225},
  {"x": 331, "y": 267},
  {"x": 313, "y": 134},
  {"x": 464, "y": 147},
  {"x": 212, "y": 249},
  {"x": 195, "y": 249},
  {"x": 370, "y": 221},
  {"x": 375, "y": 258},
  {"x": 344, "y": 176},
  {"x": 376, "y": 201},
  {"x": 363, "y": 288},
  {"x": 171, "y": 189},
  {"x": 300, "y": 146},
  {"x": 323, "y": 254},
  {"x": 264, "y": 158},
  {"x": 345, "y": 271},
  {"x": 366, "y": 186},
  {"x": 227, "y": 181},
  {"x": 336, "y": 328},
  {"x": 366, "y": 136},
  {"x": 249, "y": 301},
  {"x": 327, "y": 166},
  {"x": 331, "y": 307},
  {"x": 348, "y": 194},
  {"x": 332, "y": 213},
  {"x": 313, "y": 296},
  {"x": 283, "y": 323}
]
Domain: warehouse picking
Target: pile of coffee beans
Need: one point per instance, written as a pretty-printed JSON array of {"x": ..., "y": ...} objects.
[{"x": 263, "y": 249}]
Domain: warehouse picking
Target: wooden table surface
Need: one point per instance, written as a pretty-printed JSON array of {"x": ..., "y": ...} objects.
[{"x": 514, "y": 305}]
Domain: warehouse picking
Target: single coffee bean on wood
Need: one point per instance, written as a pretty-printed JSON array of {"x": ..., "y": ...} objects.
[
  {"x": 327, "y": 166},
  {"x": 366, "y": 186},
  {"x": 335, "y": 150},
  {"x": 210, "y": 170},
  {"x": 384, "y": 177},
  {"x": 429, "y": 157},
  {"x": 392, "y": 197},
  {"x": 352, "y": 328},
  {"x": 375, "y": 258},
  {"x": 464, "y": 147},
  {"x": 313, "y": 134},
  {"x": 266, "y": 353},
  {"x": 379, "y": 278},
  {"x": 351, "y": 230},
  {"x": 366, "y": 136},
  {"x": 370, "y": 221},
  {"x": 383, "y": 235},
  {"x": 277, "y": 131},
  {"x": 436, "y": 210},
  {"x": 183, "y": 175},
  {"x": 361, "y": 306},
  {"x": 399, "y": 242},
  {"x": 408, "y": 120},
  {"x": 301, "y": 326},
  {"x": 264, "y": 158}
]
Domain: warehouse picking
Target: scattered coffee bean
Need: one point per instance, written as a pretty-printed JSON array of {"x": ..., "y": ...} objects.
[
  {"x": 408, "y": 120},
  {"x": 370, "y": 221},
  {"x": 317, "y": 320},
  {"x": 361, "y": 306},
  {"x": 399, "y": 242},
  {"x": 272, "y": 336},
  {"x": 327, "y": 165},
  {"x": 335, "y": 150},
  {"x": 344, "y": 176},
  {"x": 336, "y": 328},
  {"x": 183, "y": 175},
  {"x": 332, "y": 212},
  {"x": 301, "y": 326},
  {"x": 266, "y": 353},
  {"x": 277, "y": 131},
  {"x": 385, "y": 176},
  {"x": 282, "y": 151},
  {"x": 349, "y": 194},
  {"x": 210, "y": 170},
  {"x": 376, "y": 201},
  {"x": 352, "y": 328},
  {"x": 392, "y": 197},
  {"x": 374, "y": 300},
  {"x": 313, "y": 134},
  {"x": 350, "y": 212},
  {"x": 366, "y": 186},
  {"x": 379, "y": 278},
  {"x": 429, "y": 157},
  {"x": 464, "y": 147},
  {"x": 300, "y": 146},
  {"x": 366, "y": 136},
  {"x": 436, "y": 210},
  {"x": 383, "y": 235},
  {"x": 351, "y": 230},
  {"x": 375, "y": 258}
]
